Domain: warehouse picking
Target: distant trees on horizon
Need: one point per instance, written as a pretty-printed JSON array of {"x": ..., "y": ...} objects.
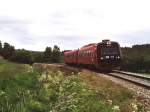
[
  {"x": 136, "y": 58},
  {"x": 24, "y": 56}
]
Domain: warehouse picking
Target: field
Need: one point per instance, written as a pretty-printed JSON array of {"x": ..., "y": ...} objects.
[
  {"x": 50, "y": 89},
  {"x": 9, "y": 69}
]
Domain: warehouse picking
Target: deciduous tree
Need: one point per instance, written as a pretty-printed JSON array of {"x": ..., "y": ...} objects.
[
  {"x": 48, "y": 55},
  {"x": 8, "y": 50},
  {"x": 56, "y": 54},
  {"x": 22, "y": 56},
  {"x": 0, "y": 48}
]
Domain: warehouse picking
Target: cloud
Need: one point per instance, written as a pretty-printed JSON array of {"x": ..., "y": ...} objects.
[
  {"x": 13, "y": 30},
  {"x": 71, "y": 24},
  {"x": 131, "y": 38}
]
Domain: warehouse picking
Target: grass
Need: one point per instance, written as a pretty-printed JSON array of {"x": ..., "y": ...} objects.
[
  {"x": 9, "y": 69},
  {"x": 51, "y": 90},
  {"x": 33, "y": 92},
  {"x": 114, "y": 94}
]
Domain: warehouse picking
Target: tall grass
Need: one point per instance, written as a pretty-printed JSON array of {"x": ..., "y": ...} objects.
[{"x": 9, "y": 69}]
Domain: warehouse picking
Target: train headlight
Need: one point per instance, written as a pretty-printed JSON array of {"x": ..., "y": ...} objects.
[
  {"x": 102, "y": 58},
  {"x": 107, "y": 57},
  {"x": 118, "y": 57}
]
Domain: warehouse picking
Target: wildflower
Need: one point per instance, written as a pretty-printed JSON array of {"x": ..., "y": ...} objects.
[
  {"x": 28, "y": 91},
  {"x": 134, "y": 106},
  {"x": 109, "y": 102},
  {"x": 2, "y": 93},
  {"x": 79, "y": 73},
  {"x": 116, "y": 108}
]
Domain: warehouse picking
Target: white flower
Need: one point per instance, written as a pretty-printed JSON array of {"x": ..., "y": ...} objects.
[
  {"x": 79, "y": 73},
  {"x": 116, "y": 108},
  {"x": 2, "y": 93},
  {"x": 109, "y": 102},
  {"x": 134, "y": 106}
]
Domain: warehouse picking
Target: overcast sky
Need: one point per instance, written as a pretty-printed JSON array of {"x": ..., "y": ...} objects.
[{"x": 70, "y": 24}]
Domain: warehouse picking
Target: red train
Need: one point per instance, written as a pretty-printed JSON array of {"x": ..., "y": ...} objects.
[{"x": 105, "y": 55}]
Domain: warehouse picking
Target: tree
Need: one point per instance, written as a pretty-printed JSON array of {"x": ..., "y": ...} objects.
[
  {"x": 0, "y": 48},
  {"x": 22, "y": 56},
  {"x": 56, "y": 54},
  {"x": 48, "y": 55},
  {"x": 38, "y": 57},
  {"x": 136, "y": 58},
  {"x": 8, "y": 50}
]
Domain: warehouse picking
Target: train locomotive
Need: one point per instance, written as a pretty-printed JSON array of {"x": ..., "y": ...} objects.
[{"x": 105, "y": 55}]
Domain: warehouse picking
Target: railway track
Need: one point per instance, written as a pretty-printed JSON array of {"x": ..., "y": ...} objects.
[{"x": 137, "y": 79}]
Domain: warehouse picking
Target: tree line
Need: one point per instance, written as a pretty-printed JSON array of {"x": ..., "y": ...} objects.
[
  {"x": 25, "y": 56},
  {"x": 136, "y": 58}
]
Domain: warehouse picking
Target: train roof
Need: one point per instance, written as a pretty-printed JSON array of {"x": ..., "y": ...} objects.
[
  {"x": 70, "y": 51},
  {"x": 89, "y": 45}
]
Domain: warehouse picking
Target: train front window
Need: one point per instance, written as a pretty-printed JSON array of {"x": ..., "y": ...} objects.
[{"x": 109, "y": 51}]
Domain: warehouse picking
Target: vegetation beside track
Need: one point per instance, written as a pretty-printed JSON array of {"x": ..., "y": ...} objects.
[
  {"x": 112, "y": 92},
  {"x": 51, "y": 90},
  {"x": 9, "y": 69}
]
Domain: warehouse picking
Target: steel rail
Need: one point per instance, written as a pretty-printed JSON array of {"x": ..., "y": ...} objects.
[
  {"x": 133, "y": 74},
  {"x": 136, "y": 79}
]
